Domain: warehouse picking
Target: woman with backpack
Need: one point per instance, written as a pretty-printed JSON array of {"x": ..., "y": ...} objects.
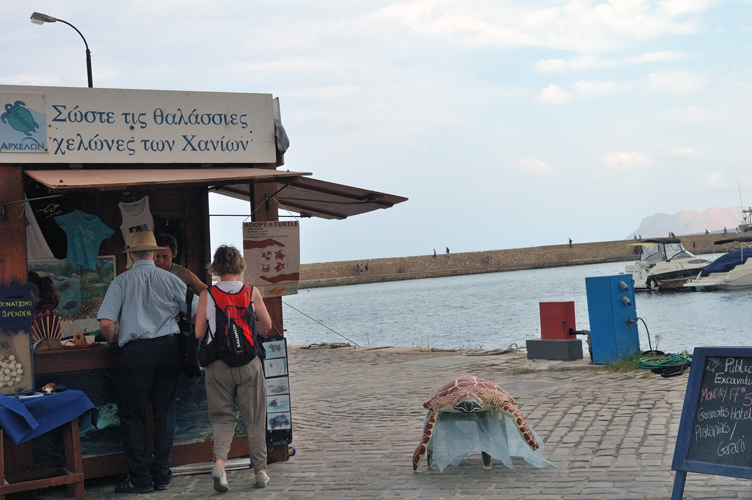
[{"x": 236, "y": 316}]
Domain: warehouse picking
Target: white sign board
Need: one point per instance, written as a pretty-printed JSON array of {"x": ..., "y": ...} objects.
[
  {"x": 272, "y": 256},
  {"x": 83, "y": 125}
]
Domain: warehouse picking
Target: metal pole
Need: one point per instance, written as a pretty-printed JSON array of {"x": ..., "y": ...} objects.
[{"x": 88, "y": 53}]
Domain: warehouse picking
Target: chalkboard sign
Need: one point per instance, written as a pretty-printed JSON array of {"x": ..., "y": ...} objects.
[{"x": 715, "y": 433}]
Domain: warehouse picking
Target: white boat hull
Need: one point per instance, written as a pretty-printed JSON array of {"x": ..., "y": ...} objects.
[{"x": 738, "y": 278}]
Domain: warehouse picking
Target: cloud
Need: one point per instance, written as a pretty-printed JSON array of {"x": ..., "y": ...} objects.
[
  {"x": 553, "y": 94},
  {"x": 627, "y": 159},
  {"x": 678, "y": 7},
  {"x": 715, "y": 180},
  {"x": 689, "y": 153},
  {"x": 598, "y": 89},
  {"x": 584, "y": 26},
  {"x": 593, "y": 61},
  {"x": 676, "y": 81},
  {"x": 532, "y": 166}
]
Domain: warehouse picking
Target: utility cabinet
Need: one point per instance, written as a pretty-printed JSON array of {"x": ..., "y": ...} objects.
[
  {"x": 612, "y": 311},
  {"x": 557, "y": 320}
]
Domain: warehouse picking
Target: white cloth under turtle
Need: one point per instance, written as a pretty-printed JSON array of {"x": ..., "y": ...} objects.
[{"x": 458, "y": 435}]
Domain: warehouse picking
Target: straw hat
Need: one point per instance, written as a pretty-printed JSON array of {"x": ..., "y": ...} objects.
[{"x": 142, "y": 241}]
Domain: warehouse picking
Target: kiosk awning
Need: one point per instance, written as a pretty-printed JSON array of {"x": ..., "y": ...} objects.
[
  {"x": 307, "y": 196},
  {"x": 316, "y": 198},
  {"x": 118, "y": 179}
]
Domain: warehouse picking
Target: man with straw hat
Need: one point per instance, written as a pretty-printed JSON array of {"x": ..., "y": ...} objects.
[{"x": 144, "y": 302}]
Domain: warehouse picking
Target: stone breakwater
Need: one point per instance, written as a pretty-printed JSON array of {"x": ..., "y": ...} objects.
[{"x": 491, "y": 261}]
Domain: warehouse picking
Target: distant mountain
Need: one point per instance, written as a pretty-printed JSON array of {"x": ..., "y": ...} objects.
[{"x": 689, "y": 222}]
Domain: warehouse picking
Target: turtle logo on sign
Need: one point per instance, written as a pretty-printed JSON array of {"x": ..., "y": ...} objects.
[
  {"x": 22, "y": 129},
  {"x": 272, "y": 263},
  {"x": 19, "y": 118}
]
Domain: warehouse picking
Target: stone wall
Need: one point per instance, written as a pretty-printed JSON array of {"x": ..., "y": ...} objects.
[{"x": 428, "y": 266}]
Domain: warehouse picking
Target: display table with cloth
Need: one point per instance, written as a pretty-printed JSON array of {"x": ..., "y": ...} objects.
[
  {"x": 458, "y": 435},
  {"x": 25, "y": 419}
]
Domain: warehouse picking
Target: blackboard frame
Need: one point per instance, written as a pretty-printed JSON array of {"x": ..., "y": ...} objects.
[{"x": 691, "y": 398}]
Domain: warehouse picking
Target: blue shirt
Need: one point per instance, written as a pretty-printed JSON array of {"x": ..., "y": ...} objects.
[
  {"x": 85, "y": 234},
  {"x": 144, "y": 302}
]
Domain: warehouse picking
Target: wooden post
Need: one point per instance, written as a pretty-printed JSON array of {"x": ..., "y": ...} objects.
[
  {"x": 13, "y": 264},
  {"x": 264, "y": 210}
]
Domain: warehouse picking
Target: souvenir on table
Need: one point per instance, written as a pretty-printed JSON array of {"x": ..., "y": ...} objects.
[
  {"x": 45, "y": 325},
  {"x": 16, "y": 313},
  {"x": 85, "y": 234}
]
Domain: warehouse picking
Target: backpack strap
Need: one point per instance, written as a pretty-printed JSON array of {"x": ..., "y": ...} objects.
[
  {"x": 188, "y": 302},
  {"x": 184, "y": 318}
]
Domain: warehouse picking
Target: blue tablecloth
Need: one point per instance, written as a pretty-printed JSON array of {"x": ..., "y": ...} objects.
[{"x": 25, "y": 419}]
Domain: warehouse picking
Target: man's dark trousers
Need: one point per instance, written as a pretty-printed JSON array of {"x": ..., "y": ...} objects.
[{"x": 148, "y": 372}]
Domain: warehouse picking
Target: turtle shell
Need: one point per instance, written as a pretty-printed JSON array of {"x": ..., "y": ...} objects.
[{"x": 445, "y": 397}]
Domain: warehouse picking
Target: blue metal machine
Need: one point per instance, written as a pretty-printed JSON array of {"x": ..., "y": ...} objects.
[{"x": 611, "y": 307}]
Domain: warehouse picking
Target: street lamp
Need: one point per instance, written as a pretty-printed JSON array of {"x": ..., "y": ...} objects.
[{"x": 39, "y": 18}]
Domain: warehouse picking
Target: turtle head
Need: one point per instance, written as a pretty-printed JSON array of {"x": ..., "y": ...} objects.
[{"x": 467, "y": 402}]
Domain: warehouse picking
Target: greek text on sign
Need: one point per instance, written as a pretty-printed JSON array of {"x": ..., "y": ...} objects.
[
  {"x": 272, "y": 256},
  {"x": 81, "y": 125}
]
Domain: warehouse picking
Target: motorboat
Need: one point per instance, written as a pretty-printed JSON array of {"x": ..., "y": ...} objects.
[
  {"x": 664, "y": 265},
  {"x": 730, "y": 271}
]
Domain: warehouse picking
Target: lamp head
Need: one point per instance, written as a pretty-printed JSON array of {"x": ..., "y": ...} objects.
[{"x": 39, "y": 18}]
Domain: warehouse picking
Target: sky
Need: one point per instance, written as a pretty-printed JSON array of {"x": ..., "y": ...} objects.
[{"x": 506, "y": 123}]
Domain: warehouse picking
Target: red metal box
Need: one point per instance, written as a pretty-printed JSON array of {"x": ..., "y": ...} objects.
[{"x": 557, "y": 319}]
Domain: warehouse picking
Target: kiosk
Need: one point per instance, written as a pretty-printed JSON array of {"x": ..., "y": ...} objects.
[{"x": 93, "y": 162}]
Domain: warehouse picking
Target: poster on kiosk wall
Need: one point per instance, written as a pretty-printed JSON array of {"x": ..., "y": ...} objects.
[{"x": 272, "y": 256}]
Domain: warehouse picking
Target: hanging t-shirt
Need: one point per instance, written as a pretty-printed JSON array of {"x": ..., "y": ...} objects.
[
  {"x": 85, "y": 234},
  {"x": 36, "y": 246},
  {"x": 136, "y": 218}
]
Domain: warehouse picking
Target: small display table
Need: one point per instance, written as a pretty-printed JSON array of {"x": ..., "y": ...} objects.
[{"x": 26, "y": 419}]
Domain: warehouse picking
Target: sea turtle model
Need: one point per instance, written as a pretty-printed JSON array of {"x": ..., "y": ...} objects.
[
  {"x": 19, "y": 118},
  {"x": 470, "y": 395}
]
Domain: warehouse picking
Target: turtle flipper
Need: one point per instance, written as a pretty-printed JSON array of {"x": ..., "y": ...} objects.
[
  {"x": 525, "y": 431},
  {"x": 423, "y": 446}
]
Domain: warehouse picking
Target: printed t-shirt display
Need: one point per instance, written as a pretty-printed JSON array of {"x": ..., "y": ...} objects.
[
  {"x": 136, "y": 218},
  {"x": 85, "y": 234}
]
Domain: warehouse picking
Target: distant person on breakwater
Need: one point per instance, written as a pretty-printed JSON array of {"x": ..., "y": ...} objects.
[
  {"x": 447, "y": 250},
  {"x": 706, "y": 232},
  {"x": 570, "y": 242},
  {"x": 366, "y": 267},
  {"x": 434, "y": 253},
  {"x": 725, "y": 232}
]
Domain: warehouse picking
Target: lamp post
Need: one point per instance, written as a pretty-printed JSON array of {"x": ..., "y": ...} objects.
[{"x": 39, "y": 18}]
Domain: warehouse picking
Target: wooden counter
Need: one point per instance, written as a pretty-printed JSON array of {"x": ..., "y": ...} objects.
[{"x": 90, "y": 370}]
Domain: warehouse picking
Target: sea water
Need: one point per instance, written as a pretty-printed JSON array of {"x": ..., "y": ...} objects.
[{"x": 495, "y": 311}]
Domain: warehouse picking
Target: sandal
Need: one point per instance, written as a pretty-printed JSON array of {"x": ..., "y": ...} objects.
[{"x": 128, "y": 487}]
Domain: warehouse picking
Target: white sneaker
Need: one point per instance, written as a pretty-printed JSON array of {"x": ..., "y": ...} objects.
[
  {"x": 220, "y": 479},
  {"x": 261, "y": 479}
]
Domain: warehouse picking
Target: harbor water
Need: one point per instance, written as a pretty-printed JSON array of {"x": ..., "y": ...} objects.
[{"x": 494, "y": 311}]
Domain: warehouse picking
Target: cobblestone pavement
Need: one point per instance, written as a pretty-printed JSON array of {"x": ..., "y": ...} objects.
[{"x": 357, "y": 418}]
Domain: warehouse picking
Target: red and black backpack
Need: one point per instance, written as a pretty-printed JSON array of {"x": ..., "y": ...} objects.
[{"x": 236, "y": 341}]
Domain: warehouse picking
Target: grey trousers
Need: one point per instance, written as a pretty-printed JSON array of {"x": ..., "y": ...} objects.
[{"x": 229, "y": 390}]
